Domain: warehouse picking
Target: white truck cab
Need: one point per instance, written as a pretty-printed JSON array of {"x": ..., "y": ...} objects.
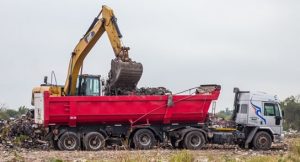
[{"x": 259, "y": 116}]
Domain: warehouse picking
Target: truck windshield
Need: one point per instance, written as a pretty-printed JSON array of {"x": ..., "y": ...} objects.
[
  {"x": 88, "y": 86},
  {"x": 271, "y": 109},
  {"x": 92, "y": 87}
]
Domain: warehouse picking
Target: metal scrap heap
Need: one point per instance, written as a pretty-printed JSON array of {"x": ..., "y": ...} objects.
[
  {"x": 152, "y": 91},
  {"x": 140, "y": 91}
]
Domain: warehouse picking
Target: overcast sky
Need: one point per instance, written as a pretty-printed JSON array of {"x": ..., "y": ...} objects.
[{"x": 253, "y": 45}]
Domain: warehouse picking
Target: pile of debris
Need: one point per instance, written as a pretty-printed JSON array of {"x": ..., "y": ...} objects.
[
  {"x": 291, "y": 133},
  {"x": 140, "y": 91},
  {"x": 152, "y": 91},
  {"x": 22, "y": 132}
]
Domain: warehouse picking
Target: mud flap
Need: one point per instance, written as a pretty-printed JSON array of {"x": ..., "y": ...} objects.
[{"x": 250, "y": 137}]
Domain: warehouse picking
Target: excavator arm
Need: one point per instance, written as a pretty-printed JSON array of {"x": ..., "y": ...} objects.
[{"x": 124, "y": 72}]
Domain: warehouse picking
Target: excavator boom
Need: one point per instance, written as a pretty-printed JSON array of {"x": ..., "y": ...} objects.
[{"x": 124, "y": 73}]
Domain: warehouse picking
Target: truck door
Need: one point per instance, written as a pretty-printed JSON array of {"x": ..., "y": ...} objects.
[
  {"x": 273, "y": 117},
  {"x": 242, "y": 115}
]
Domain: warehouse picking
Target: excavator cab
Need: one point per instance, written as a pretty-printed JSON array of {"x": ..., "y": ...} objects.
[{"x": 88, "y": 85}]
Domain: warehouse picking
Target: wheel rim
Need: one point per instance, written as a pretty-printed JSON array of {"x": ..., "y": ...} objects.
[
  {"x": 70, "y": 142},
  {"x": 195, "y": 140},
  {"x": 95, "y": 142},
  {"x": 145, "y": 139},
  {"x": 262, "y": 142}
]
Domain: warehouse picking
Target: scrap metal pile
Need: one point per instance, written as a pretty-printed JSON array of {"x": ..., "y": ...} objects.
[
  {"x": 140, "y": 91},
  {"x": 22, "y": 132}
]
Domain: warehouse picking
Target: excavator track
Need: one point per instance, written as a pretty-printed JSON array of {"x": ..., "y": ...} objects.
[{"x": 124, "y": 75}]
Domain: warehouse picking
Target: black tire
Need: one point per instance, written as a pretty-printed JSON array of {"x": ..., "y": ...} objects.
[
  {"x": 194, "y": 140},
  {"x": 55, "y": 144},
  {"x": 181, "y": 145},
  {"x": 241, "y": 145},
  {"x": 262, "y": 141},
  {"x": 69, "y": 141},
  {"x": 131, "y": 144},
  {"x": 93, "y": 141},
  {"x": 173, "y": 142},
  {"x": 144, "y": 139}
]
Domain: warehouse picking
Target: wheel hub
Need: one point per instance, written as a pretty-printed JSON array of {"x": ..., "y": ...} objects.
[
  {"x": 95, "y": 143},
  {"x": 262, "y": 141},
  {"x": 145, "y": 139},
  {"x": 70, "y": 143},
  {"x": 195, "y": 141}
]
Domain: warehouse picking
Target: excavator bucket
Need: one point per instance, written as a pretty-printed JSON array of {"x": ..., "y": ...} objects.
[{"x": 124, "y": 75}]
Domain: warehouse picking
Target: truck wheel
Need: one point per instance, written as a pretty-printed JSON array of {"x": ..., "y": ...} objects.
[
  {"x": 55, "y": 144},
  {"x": 144, "y": 139},
  {"x": 93, "y": 141},
  {"x": 68, "y": 141},
  {"x": 180, "y": 145},
  {"x": 194, "y": 140},
  {"x": 262, "y": 141},
  {"x": 173, "y": 142},
  {"x": 242, "y": 145}
]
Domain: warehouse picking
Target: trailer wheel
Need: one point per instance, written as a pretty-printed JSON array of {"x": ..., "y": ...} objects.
[
  {"x": 93, "y": 141},
  {"x": 68, "y": 141},
  {"x": 194, "y": 140},
  {"x": 173, "y": 142},
  {"x": 180, "y": 145},
  {"x": 144, "y": 139},
  {"x": 262, "y": 141},
  {"x": 55, "y": 144},
  {"x": 242, "y": 145}
]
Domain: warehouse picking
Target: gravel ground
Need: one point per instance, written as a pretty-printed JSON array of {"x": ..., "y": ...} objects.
[
  {"x": 121, "y": 155},
  {"x": 207, "y": 154}
]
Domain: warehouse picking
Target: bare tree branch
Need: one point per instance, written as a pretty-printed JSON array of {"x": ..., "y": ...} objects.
[{"x": 2, "y": 107}]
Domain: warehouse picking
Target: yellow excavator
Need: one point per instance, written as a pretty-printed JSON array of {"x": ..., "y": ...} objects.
[{"x": 124, "y": 73}]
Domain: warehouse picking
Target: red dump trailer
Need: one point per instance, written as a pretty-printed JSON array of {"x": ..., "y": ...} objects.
[{"x": 93, "y": 122}]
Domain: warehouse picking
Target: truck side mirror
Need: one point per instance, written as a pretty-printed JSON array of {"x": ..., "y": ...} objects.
[
  {"x": 277, "y": 120},
  {"x": 282, "y": 113}
]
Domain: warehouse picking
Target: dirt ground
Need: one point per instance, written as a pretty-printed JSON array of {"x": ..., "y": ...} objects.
[{"x": 211, "y": 153}]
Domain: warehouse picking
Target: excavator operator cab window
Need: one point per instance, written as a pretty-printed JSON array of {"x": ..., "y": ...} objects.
[{"x": 88, "y": 85}]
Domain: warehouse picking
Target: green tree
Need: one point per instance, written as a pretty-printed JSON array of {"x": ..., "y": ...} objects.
[
  {"x": 22, "y": 110},
  {"x": 6, "y": 113},
  {"x": 225, "y": 114},
  {"x": 291, "y": 108},
  {"x": 2, "y": 107},
  {"x": 12, "y": 113},
  {"x": 3, "y": 114}
]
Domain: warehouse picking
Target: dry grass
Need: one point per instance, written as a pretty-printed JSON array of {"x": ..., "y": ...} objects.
[
  {"x": 162, "y": 155},
  {"x": 182, "y": 156}
]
